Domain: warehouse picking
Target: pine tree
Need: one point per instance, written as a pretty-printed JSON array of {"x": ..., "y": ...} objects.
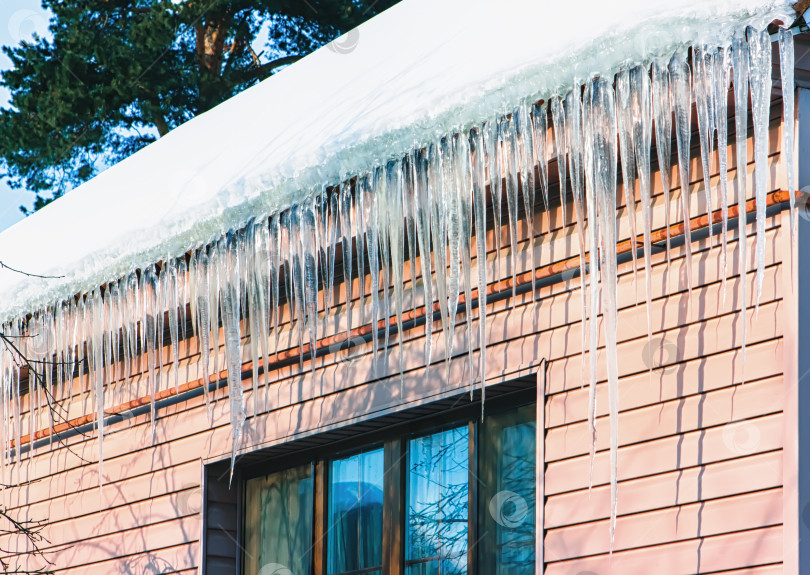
[{"x": 117, "y": 74}]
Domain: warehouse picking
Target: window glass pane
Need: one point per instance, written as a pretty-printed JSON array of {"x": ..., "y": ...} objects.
[
  {"x": 278, "y": 522},
  {"x": 355, "y": 513},
  {"x": 507, "y": 471},
  {"x": 438, "y": 491}
]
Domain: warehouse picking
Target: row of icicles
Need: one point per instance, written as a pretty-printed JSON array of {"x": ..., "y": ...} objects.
[{"x": 427, "y": 202}]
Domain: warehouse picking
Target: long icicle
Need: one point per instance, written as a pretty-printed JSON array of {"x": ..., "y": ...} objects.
[
  {"x": 233, "y": 339},
  {"x": 740, "y": 62},
  {"x": 422, "y": 203},
  {"x": 604, "y": 142},
  {"x": 703, "y": 88},
  {"x": 575, "y": 140},
  {"x": 593, "y": 260},
  {"x": 680, "y": 76},
  {"x": 759, "y": 44},
  {"x": 480, "y": 207},
  {"x": 463, "y": 189},
  {"x": 722, "y": 76},
  {"x": 370, "y": 207},
  {"x": 641, "y": 108}
]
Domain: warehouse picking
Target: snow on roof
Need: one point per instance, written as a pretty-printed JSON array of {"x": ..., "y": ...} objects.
[{"x": 420, "y": 69}]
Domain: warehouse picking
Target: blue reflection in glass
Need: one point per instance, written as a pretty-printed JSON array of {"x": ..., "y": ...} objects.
[
  {"x": 438, "y": 503},
  {"x": 355, "y": 513}
]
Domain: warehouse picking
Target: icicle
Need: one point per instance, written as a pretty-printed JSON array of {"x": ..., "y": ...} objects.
[
  {"x": 722, "y": 69},
  {"x": 396, "y": 233},
  {"x": 98, "y": 376},
  {"x": 593, "y": 261},
  {"x": 247, "y": 265},
  {"x": 360, "y": 243},
  {"x": 332, "y": 242},
  {"x": 525, "y": 141},
  {"x": 573, "y": 107},
  {"x": 275, "y": 268},
  {"x": 346, "y": 228},
  {"x": 740, "y": 62},
  {"x": 561, "y": 149},
  {"x": 133, "y": 316},
  {"x": 160, "y": 309},
  {"x": 370, "y": 217},
  {"x": 604, "y": 142},
  {"x": 299, "y": 277},
  {"x": 310, "y": 257},
  {"x": 786, "y": 64},
  {"x": 322, "y": 239},
  {"x": 453, "y": 212},
  {"x": 508, "y": 144},
  {"x": 422, "y": 203},
  {"x": 703, "y": 85},
  {"x": 213, "y": 302},
  {"x": 492, "y": 152},
  {"x": 289, "y": 280},
  {"x": 191, "y": 293},
  {"x": 759, "y": 44},
  {"x": 438, "y": 227},
  {"x": 662, "y": 110},
  {"x": 182, "y": 298},
  {"x": 261, "y": 244},
  {"x": 626, "y": 145},
  {"x": 149, "y": 292},
  {"x": 172, "y": 303},
  {"x": 233, "y": 339},
  {"x": 408, "y": 197},
  {"x": 203, "y": 307},
  {"x": 540, "y": 114},
  {"x": 680, "y": 76},
  {"x": 463, "y": 190},
  {"x": 641, "y": 114},
  {"x": 480, "y": 206},
  {"x": 380, "y": 190},
  {"x": 113, "y": 326}
]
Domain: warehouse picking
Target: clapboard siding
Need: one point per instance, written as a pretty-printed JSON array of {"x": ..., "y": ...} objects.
[{"x": 700, "y": 463}]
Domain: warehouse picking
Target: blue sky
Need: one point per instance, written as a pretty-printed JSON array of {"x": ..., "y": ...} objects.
[{"x": 19, "y": 20}]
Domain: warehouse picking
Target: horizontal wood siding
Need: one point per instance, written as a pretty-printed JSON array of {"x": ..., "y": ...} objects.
[{"x": 699, "y": 459}]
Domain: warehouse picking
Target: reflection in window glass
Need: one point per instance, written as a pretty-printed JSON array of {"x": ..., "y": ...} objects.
[
  {"x": 507, "y": 470},
  {"x": 355, "y": 514},
  {"x": 278, "y": 522},
  {"x": 437, "y": 514}
]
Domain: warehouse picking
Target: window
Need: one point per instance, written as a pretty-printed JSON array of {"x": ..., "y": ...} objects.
[
  {"x": 453, "y": 496},
  {"x": 355, "y": 501},
  {"x": 278, "y": 521},
  {"x": 438, "y": 503}
]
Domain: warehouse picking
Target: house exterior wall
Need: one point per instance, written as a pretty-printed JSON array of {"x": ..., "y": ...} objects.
[{"x": 700, "y": 464}]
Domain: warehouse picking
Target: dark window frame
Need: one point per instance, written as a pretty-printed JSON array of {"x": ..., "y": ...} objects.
[{"x": 394, "y": 440}]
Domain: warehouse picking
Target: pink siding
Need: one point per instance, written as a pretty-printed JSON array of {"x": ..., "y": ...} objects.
[{"x": 700, "y": 463}]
